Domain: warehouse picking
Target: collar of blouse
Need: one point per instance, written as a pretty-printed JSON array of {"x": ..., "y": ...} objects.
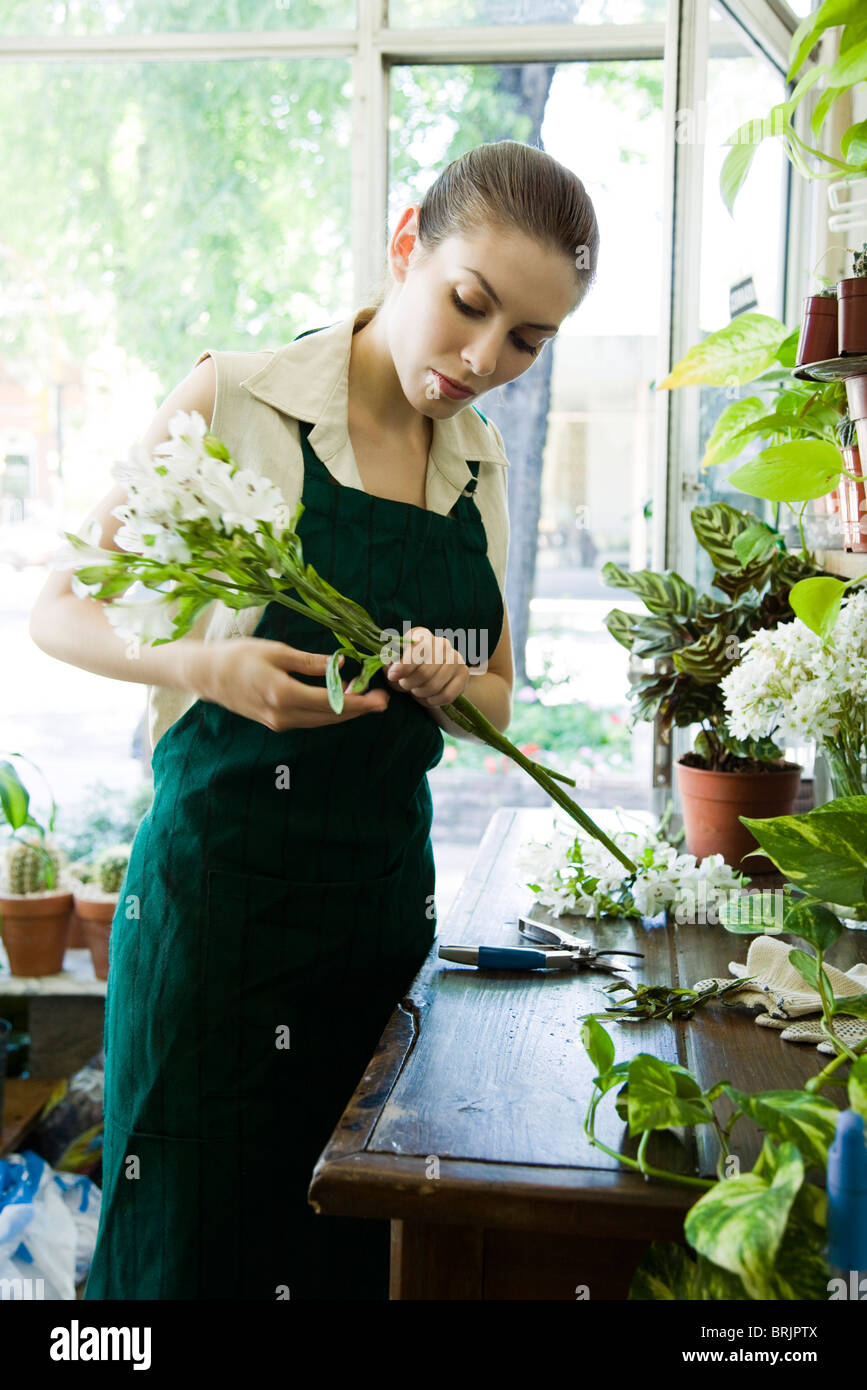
[{"x": 309, "y": 380}]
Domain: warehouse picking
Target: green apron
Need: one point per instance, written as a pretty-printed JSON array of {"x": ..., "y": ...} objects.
[{"x": 276, "y": 927}]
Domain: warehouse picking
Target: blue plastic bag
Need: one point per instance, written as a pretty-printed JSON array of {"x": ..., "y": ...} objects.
[{"x": 48, "y": 1225}]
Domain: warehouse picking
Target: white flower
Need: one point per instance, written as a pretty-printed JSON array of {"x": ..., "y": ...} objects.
[
  {"x": 143, "y": 614},
  {"x": 576, "y": 874},
  {"x": 795, "y": 686}
]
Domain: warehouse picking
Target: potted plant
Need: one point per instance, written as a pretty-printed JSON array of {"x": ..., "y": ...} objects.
[
  {"x": 695, "y": 641},
  {"x": 96, "y": 898},
  {"x": 796, "y": 682},
  {"x": 852, "y": 308},
  {"x": 35, "y": 904},
  {"x": 818, "y": 338}
]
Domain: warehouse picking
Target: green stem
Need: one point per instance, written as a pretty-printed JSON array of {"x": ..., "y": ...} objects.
[{"x": 824, "y": 1077}]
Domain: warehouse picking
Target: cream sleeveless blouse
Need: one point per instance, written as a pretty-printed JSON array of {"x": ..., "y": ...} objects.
[{"x": 260, "y": 398}]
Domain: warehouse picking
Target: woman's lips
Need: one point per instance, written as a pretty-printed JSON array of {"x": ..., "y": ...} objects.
[{"x": 451, "y": 388}]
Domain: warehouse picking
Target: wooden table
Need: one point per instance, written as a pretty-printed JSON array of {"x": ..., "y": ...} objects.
[{"x": 466, "y": 1131}]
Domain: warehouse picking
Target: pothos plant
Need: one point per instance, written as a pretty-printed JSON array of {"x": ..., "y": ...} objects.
[
  {"x": 760, "y": 1234},
  {"x": 697, "y": 638},
  {"x": 802, "y": 423},
  {"x": 836, "y": 79}
]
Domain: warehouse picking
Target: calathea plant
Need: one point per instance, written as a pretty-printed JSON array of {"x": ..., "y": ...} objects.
[{"x": 697, "y": 638}]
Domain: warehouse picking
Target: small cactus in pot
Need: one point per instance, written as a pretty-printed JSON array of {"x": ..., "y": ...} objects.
[
  {"x": 35, "y": 901},
  {"x": 852, "y": 307},
  {"x": 31, "y": 867},
  {"x": 111, "y": 868},
  {"x": 96, "y": 902}
]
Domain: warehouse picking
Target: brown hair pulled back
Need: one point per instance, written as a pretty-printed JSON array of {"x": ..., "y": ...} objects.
[{"x": 509, "y": 186}]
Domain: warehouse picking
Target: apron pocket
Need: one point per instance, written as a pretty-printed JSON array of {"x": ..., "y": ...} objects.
[{"x": 298, "y": 980}]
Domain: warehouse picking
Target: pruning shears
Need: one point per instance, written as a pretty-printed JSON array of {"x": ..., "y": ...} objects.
[
  {"x": 585, "y": 955},
  {"x": 559, "y": 951}
]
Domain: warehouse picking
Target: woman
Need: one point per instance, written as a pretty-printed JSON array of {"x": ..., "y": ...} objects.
[{"x": 279, "y": 897}]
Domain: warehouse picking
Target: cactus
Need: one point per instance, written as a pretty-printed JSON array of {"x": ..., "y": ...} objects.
[
  {"x": 859, "y": 266},
  {"x": 111, "y": 867},
  {"x": 829, "y": 292},
  {"x": 31, "y": 868}
]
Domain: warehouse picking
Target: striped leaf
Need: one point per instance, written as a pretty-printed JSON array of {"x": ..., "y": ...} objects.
[{"x": 663, "y": 594}]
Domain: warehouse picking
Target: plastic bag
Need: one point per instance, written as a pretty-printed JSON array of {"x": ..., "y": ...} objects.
[{"x": 48, "y": 1225}]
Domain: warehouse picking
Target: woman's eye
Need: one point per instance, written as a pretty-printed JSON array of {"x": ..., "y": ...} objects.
[{"x": 477, "y": 313}]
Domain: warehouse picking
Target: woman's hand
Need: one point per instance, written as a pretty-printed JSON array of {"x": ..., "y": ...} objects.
[
  {"x": 250, "y": 676},
  {"x": 431, "y": 669}
]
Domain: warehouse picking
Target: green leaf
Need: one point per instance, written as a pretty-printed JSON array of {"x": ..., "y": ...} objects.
[
  {"x": 621, "y": 626},
  {"x": 813, "y": 922},
  {"x": 333, "y": 683},
  {"x": 855, "y": 1005},
  {"x": 724, "y": 443},
  {"x": 658, "y": 637},
  {"x": 849, "y": 69},
  {"x": 796, "y": 472},
  {"x": 854, "y": 143},
  {"x": 823, "y": 852},
  {"x": 664, "y": 594},
  {"x": 598, "y": 1045},
  {"x": 14, "y": 797},
  {"x": 807, "y": 967},
  {"x": 708, "y": 659},
  {"x": 817, "y": 602},
  {"x": 749, "y": 914},
  {"x": 666, "y": 1272},
  {"x": 736, "y": 166},
  {"x": 788, "y": 350},
  {"x": 740, "y": 352},
  {"x": 661, "y": 1094},
  {"x": 827, "y": 16},
  {"x": 857, "y": 1086},
  {"x": 755, "y": 543},
  {"x": 611, "y": 1078},
  {"x": 808, "y": 1121},
  {"x": 739, "y": 1224}
]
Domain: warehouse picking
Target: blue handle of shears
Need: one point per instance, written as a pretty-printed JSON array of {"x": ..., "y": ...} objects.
[{"x": 510, "y": 958}]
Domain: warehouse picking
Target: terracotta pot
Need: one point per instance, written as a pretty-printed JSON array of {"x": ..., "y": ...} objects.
[
  {"x": 853, "y": 503},
  {"x": 852, "y": 315},
  {"x": 77, "y": 939},
  {"x": 818, "y": 340},
  {"x": 35, "y": 931},
  {"x": 712, "y": 802},
  {"x": 97, "y": 916}
]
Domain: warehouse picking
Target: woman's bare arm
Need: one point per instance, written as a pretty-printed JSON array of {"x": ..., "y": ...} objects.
[
  {"x": 250, "y": 676},
  {"x": 76, "y": 630}
]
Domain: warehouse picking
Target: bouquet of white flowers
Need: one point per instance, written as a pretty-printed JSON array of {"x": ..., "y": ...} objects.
[
  {"x": 793, "y": 684},
  {"x": 580, "y": 877},
  {"x": 197, "y": 527}
]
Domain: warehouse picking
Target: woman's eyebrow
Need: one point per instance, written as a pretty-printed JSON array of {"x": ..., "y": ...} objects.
[{"x": 489, "y": 290}]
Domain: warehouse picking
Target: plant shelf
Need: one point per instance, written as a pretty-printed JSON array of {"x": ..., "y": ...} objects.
[{"x": 834, "y": 369}]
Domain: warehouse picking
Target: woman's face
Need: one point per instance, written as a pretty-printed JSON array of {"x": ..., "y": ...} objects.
[{"x": 445, "y": 318}]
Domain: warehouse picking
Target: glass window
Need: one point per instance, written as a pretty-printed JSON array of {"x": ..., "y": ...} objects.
[
  {"x": 581, "y": 468},
  {"x": 410, "y": 14},
  {"x": 150, "y": 211},
  {"x": 749, "y": 246},
  {"x": 79, "y": 18}
]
